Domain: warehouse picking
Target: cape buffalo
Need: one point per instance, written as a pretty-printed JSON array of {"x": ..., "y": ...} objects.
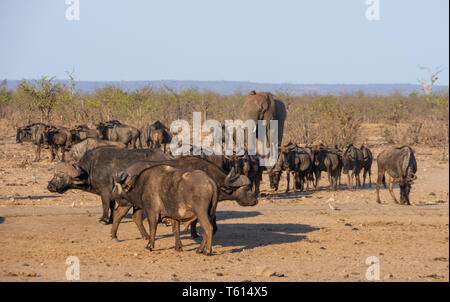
[
  {"x": 401, "y": 167},
  {"x": 79, "y": 149},
  {"x": 164, "y": 191},
  {"x": 232, "y": 186},
  {"x": 94, "y": 173}
]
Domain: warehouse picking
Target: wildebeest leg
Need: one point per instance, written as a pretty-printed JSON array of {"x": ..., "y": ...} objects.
[
  {"x": 391, "y": 188},
  {"x": 194, "y": 229},
  {"x": 349, "y": 181},
  {"x": 119, "y": 213},
  {"x": 370, "y": 177},
  {"x": 152, "y": 224},
  {"x": 176, "y": 233},
  {"x": 37, "y": 153},
  {"x": 358, "y": 179},
  {"x": 330, "y": 179},
  {"x": 364, "y": 178},
  {"x": 206, "y": 244},
  {"x": 317, "y": 180},
  {"x": 378, "y": 184},
  {"x": 333, "y": 183},
  {"x": 63, "y": 151},
  {"x": 137, "y": 218},
  {"x": 288, "y": 179}
]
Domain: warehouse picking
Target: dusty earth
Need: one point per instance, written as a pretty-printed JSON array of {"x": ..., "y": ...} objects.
[{"x": 295, "y": 237}]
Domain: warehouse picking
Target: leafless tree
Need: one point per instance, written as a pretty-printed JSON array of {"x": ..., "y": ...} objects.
[{"x": 427, "y": 84}]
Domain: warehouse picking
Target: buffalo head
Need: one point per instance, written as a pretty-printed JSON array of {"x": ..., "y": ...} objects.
[
  {"x": 67, "y": 176},
  {"x": 239, "y": 185}
]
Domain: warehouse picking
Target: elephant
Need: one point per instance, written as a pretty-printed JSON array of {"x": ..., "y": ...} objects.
[{"x": 264, "y": 106}]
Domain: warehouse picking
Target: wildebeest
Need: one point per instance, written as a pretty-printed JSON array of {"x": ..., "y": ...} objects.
[
  {"x": 318, "y": 154},
  {"x": 352, "y": 160},
  {"x": 157, "y": 135},
  {"x": 367, "y": 164},
  {"x": 79, "y": 149},
  {"x": 118, "y": 132},
  {"x": 285, "y": 162},
  {"x": 326, "y": 160},
  {"x": 232, "y": 186},
  {"x": 94, "y": 171},
  {"x": 249, "y": 166},
  {"x": 58, "y": 139},
  {"x": 33, "y": 133},
  {"x": 81, "y": 132},
  {"x": 333, "y": 166},
  {"x": 303, "y": 168},
  {"x": 183, "y": 195},
  {"x": 400, "y": 165}
]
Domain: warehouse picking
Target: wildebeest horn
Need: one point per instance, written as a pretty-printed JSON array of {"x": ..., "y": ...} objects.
[{"x": 68, "y": 169}]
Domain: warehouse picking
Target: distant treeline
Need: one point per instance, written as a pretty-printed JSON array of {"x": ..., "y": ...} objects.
[{"x": 331, "y": 119}]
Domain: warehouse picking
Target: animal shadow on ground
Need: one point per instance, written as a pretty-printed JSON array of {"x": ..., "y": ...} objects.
[
  {"x": 2, "y": 219},
  {"x": 34, "y": 197},
  {"x": 289, "y": 195},
  {"x": 221, "y": 215},
  {"x": 250, "y": 235}
]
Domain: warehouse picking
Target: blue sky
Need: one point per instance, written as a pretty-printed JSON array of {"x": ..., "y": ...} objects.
[{"x": 283, "y": 41}]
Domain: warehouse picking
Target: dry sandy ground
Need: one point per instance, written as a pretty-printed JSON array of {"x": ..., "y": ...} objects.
[{"x": 284, "y": 238}]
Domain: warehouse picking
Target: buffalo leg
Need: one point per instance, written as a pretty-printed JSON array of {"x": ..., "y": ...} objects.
[
  {"x": 194, "y": 233},
  {"x": 112, "y": 205},
  {"x": 119, "y": 214},
  {"x": 152, "y": 225},
  {"x": 137, "y": 218},
  {"x": 176, "y": 233},
  {"x": 206, "y": 244},
  {"x": 107, "y": 204}
]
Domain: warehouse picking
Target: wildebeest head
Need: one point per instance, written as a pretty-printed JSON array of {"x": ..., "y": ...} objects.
[
  {"x": 23, "y": 133},
  {"x": 318, "y": 156},
  {"x": 348, "y": 159},
  {"x": 274, "y": 179},
  {"x": 67, "y": 176},
  {"x": 239, "y": 185},
  {"x": 405, "y": 188}
]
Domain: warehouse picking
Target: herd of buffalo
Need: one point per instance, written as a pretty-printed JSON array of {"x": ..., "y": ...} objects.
[{"x": 112, "y": 162}]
